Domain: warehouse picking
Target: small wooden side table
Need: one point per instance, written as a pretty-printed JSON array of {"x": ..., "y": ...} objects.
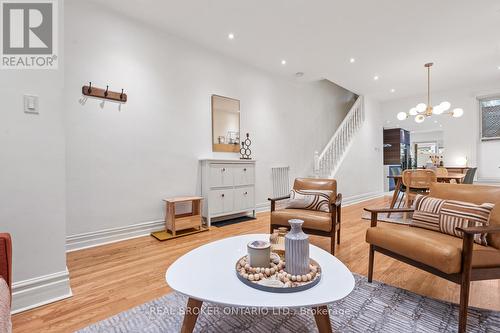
[{"x": 176, "y": 222}]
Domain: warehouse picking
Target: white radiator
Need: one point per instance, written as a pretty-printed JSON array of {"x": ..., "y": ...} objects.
[{"x": 281, "y": 181}]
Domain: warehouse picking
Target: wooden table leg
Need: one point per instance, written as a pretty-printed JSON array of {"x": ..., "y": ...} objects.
[
  {"x": 396, "y": 194},
  {"x": 322, "y": 317},
  {"x": 192, "y": 311}
]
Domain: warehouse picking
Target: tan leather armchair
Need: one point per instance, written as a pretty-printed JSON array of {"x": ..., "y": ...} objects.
[
  {"x": 457, "y": 260},
  {"x": 315, "y": 222}
]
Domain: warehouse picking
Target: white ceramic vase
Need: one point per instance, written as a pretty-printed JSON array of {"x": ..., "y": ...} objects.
[{"x": 296, "y": 249}]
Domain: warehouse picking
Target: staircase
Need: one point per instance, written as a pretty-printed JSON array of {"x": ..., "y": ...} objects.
[{"x": 327, "y": 163}]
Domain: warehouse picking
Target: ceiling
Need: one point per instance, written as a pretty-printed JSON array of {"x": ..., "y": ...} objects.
[{"x": 389, "y": 38}]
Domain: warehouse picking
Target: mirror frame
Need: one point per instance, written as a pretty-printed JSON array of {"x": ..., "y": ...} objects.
[{"x": 225, "y": 148}]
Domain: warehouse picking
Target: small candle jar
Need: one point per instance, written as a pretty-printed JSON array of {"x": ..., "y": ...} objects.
[{"x": 259, "y": 253}]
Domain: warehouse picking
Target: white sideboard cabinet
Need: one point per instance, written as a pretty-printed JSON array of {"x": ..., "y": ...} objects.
[{"x": 228, "y": 187}]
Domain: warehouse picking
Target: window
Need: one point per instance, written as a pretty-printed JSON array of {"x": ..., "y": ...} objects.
[{"x": 490, "y": 118}]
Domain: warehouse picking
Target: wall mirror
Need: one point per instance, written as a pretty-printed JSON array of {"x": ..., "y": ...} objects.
[{"x": 225, "y": 124}]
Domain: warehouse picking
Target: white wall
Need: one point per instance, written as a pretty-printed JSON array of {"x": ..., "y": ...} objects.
[
  {"x": 361, "y": 175},
  {"x": 121, "y": 163},
  {"x": 32, "y": 183},
  {"x": 460, "y": 135},
  {"x": 426, "y": 136}
]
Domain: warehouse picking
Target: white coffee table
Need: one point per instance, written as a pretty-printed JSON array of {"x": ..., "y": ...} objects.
[{"x": 207, "y": 273}]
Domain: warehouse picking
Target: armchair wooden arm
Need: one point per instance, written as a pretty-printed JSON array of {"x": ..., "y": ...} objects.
[
  {"x": 375, "y": 211},
  {"x": 491, "y": 229},
  {"x": 273, "y": 201},
  {"x": 338, "y": 201},
  {"x": 389, "y": 210},
  {"x": 336, "y": 209}
]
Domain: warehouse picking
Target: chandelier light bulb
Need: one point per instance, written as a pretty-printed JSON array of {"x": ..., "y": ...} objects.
[
  {"x": 421, "y": 107},
  {"x": 402, "y": 116},
  {"x": 458, "y": 112},
  {"x": 445, "y": 106},
  {"x": 420, "y": 118},
  {"x": 438, "y": 109},
  {"x": 413, "y": 112}
]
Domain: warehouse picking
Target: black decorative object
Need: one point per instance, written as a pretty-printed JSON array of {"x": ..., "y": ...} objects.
[{"x": 245, "y": 151}]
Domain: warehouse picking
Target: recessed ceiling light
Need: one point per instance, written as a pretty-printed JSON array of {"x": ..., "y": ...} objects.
[
  {"x": 230, "y": 36},
  {"x": 283, "y": 62},
  {"x": 352, "y": 60},
  {"x": 393, "y": 90},
  {"x": 376, "y": 77},
  {"x": 498, "y": 67},
  {"x": 435, "y": 121}
]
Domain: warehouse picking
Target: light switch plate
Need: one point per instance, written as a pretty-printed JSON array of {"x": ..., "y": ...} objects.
[{"x": 31, "y": 104}]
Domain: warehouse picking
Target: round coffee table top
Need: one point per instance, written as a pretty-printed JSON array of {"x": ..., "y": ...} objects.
[{"x": 207, "y": 274}]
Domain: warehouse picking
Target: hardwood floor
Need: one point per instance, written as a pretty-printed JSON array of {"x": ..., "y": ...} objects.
[{"x": 113, "y": 278}]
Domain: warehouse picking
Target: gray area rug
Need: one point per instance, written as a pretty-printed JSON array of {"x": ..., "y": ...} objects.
[{"x": 371, "y": 307}]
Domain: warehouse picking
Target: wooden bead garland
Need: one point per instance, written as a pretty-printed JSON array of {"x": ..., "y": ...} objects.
[{"x": 277, "y": 267}]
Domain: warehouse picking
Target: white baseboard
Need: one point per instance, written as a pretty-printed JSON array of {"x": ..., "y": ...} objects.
[
  {"x": 106, "y": 236},
  {"x": 354, "y": 199},
  {"x": 263, "y": 207},
  {"x": 32, "y": 293},
  {"x": 489, "y": 181}
]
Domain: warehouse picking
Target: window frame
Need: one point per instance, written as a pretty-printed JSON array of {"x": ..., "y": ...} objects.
[{"x": 480, "y": 100}]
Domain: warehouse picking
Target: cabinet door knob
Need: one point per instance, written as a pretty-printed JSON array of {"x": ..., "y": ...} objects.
[
  {"x": 222, "y": 195},
  {"x": 245, "y": 169},
  {"x": 223, "y": 169},
  {"x": 245, "y": 193}
]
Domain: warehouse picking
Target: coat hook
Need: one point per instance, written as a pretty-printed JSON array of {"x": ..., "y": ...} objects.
[
  {"x": 106, "y": 92},
  {"x": 90, "y": 87},
  {"x": 121, "y": 95}
]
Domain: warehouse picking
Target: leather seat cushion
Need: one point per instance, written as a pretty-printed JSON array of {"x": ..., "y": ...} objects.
[
  {"x": 440, "y": 251},
  {"x": 315, "y": 220}
]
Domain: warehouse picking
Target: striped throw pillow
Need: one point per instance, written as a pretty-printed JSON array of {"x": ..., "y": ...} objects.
[
  {"x": 426, "y": 213},
  {"x": 446, "y": 215},
  {"x": 464, "y": 214},
  {"x": 310, "y": 199}
]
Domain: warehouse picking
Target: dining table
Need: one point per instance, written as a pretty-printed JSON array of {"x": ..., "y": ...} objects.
[{"x": 457, "y": 177}]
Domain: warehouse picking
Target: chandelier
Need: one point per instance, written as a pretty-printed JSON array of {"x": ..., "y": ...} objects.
[{"x": 423, "y": 111}]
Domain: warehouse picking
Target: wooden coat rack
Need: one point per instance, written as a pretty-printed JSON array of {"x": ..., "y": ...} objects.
[{"x": 104, "y": 93}]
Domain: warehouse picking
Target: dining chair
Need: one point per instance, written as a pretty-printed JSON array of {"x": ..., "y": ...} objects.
[
  {"x": 393, "y": 171},
  {"x": 441, "y": 171},
  {"x": 469, "y": 176},
  {"x": 417, "y": 182}
]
